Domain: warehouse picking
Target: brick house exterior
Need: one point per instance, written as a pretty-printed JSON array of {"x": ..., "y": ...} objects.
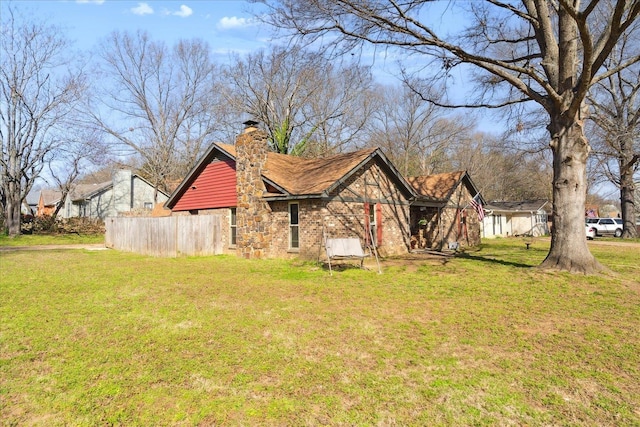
[
  {"x": 442, "y": 213},
  {"x": 284, "y": 206},
  {"x": 276, "y": 205}
]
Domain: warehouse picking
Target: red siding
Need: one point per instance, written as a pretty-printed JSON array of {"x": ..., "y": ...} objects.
[{"x": 215, "y": 187}]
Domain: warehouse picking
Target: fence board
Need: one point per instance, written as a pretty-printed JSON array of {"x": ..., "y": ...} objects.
[{"x": 166, "y": 236}]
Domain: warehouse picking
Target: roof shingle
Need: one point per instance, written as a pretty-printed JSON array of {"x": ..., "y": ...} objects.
[
  {"x": 299, "y": 176},
  {"x": 438, "y": 186}
]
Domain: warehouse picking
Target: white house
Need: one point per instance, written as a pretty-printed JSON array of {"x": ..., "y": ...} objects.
[{"x": 504, "y": 219}]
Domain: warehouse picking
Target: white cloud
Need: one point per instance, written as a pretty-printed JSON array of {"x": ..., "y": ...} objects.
[
  {"x": 184, "y": 11},
  {"x": 90, "y": 1},
  {"x": 142, "y": 9},
  {"x": 233, "y": 22}
]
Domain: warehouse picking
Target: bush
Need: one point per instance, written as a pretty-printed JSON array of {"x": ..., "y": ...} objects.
[{"x": 47, "y": 224}]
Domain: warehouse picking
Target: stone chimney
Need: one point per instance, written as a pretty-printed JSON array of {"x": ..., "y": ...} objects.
[{"x": 253, "y": 223}]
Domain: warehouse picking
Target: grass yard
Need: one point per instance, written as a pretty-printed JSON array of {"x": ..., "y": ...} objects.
[
  {"x": 50, "y": 239},
  {"x": 107, "y": 338}
]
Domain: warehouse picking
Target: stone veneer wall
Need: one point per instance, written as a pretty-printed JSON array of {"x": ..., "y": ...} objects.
[{"x": 254, "y": 231}]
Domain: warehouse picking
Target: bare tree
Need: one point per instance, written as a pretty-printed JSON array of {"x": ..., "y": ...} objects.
[
  {"x": 161, "y": 104},
  {"x": 307, "y": 104},
  {"x": 616, "y": 130},
  {"x": 549, "y": 52},
  {"x": 415, "y": 135},
  {"x": 83, "y": 150},
  {"x": 501, "y": 172},
  {"x": 39, "y": 91}
]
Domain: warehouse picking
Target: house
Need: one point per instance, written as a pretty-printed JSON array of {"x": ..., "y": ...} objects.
[
  {"x": 48, "y": 202},
  {"x": 30, "y": 203},
  {"x": 442, "y": 215},
  {"x": 276, "y": 205},
  {"x": 124, "y": 193},
  {"x": 530, "y": 217}
]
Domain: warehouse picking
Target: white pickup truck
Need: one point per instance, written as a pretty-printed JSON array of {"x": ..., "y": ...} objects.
[{"x": 606, "y": 226}]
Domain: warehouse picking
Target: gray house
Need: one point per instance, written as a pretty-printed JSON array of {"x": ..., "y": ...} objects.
[{"x": 125, "y": 192}]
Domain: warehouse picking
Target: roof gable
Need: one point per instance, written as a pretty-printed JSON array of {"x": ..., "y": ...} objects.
[
  {"x": 88, "y": 191},
  {"x": 50, "y": 197},
  {"x": 292, "y": 176}
]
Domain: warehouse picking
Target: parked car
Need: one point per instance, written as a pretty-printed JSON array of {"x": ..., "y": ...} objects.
[
  {"x": 590, "y": 231},
  {"x": 606, "y": 226}
]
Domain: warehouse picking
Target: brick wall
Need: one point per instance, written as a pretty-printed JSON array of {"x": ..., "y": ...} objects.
[
  {"x": 446, "y": 224},
  {"x": 343, "y": 215}
]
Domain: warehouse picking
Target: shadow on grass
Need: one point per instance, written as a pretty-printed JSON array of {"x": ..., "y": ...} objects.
[
  {"x": 465, "y": 255},
  {"x": 343, "y": 266}
]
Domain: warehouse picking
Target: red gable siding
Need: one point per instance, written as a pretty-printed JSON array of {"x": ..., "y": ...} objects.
[{"x": 215, "y": 187}]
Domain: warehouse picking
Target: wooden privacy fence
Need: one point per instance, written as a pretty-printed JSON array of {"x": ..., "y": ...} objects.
[{"x": 166, "y": 236}]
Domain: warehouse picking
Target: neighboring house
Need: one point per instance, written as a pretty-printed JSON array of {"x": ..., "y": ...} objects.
[
  {"x": 529, "y": 218},
  {"x": 30, "y": 203},
  {"x": 276, "y": 205},
  {"x": 48, "y": 202},
  {"x": 442, "y": 213},
  {"x": 125, "y": 192}
]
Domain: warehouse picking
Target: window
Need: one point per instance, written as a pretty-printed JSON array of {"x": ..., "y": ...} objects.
[
  {"x": 232, "y": 226},
  {"x": 373, "y": 219},
  {"x": 294, "y": 226},
  {"x": 148, "y": 205}
]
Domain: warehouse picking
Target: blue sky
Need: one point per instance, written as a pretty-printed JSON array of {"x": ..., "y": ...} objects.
[{"x": 227, "y": 25}]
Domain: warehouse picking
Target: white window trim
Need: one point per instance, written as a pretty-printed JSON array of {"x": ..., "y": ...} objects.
[
  {"x": 290, "y": 225},
  {"x": 233, "y": 228}
]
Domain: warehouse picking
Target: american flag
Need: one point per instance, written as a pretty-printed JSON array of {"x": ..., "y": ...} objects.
[{"x": 477, "y": 205}]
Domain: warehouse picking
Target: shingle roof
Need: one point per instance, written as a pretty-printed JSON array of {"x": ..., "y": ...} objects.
[
  {"x": 83, "y": 191},
  {"x": 524, "y": 205},
  {"x": 50, "y": 197},
  {"x": 437, "y": 187},
  {"x": 298, "y": 176},
  {"x": 294, "y": 177}
]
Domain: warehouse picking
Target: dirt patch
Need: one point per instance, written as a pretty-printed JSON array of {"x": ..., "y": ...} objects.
[{"x": 413, "y": 261}]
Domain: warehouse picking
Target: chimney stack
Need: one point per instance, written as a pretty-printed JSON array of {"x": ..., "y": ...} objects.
[
  {"x": 253, "y": 226},
  {"x": 250, "y": 126}
]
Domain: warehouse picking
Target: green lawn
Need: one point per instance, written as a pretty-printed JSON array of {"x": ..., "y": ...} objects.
[{"x": 107, "y": 338}]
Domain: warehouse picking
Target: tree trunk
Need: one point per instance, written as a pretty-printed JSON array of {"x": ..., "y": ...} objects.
[
  {"x": 569, "y": 250},
  {"x": 627, "y": 200},
  {"x": 13, "y": 216}
]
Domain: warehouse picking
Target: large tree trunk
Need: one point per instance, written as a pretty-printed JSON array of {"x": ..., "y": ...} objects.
[
  {"x": 13, "y": 216},
  {"x": 627, "y": 198},
  {"x": 569, "y": 250}
]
